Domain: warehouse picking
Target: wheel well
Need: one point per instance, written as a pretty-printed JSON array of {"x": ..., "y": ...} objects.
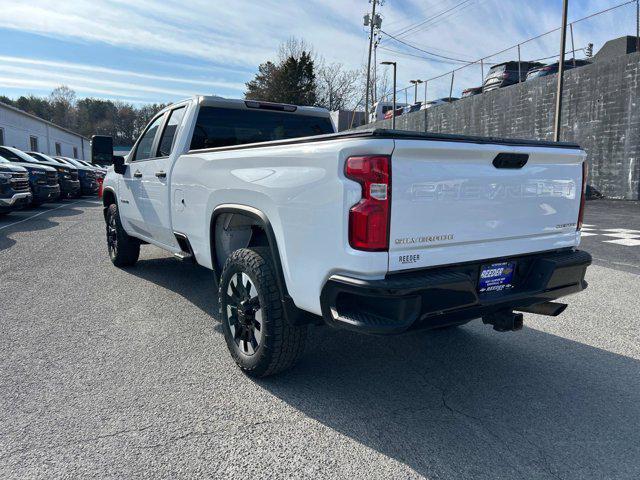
[
  {"x": 232, "y": 231},
  {"x": 239, "y": 226},
  {"x": 108, "y": 198}
]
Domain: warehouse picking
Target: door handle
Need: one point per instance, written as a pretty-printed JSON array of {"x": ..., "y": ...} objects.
[
  {"x": 161, "y": 174},
  {"x": 137, "y": 174}
]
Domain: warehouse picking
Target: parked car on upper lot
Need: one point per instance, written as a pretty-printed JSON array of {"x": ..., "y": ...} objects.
[
  {"x": 389, "y": 113},
  {"x": 86, "y": 175},
  {"x": 470, "y": 92},
  {"x": 553, "y": 68},
  {"x": 438, "y": 101},
  {"x": 14, "y": 187},
  {"x": 43, "y": 179},
  {"x": 67, "y": 175},
  {"x": 380, "y": 110},
  {"x": 376, "y": 231},
  {"x": 507, "y": 73},
  {"x": 415, "y": 107}
]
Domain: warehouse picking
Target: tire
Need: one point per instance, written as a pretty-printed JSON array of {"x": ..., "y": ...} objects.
[
  {"x": 123, "y": 249},
  {"x": 259, "y": 338}
]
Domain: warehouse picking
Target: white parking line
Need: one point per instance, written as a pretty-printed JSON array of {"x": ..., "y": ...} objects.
[{"x": 40, "y": 213}]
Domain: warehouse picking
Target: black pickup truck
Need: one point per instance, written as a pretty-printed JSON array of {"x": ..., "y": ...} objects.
[
  {"x": 43, "y": 180},
  {"x": 14, "y": 187}
]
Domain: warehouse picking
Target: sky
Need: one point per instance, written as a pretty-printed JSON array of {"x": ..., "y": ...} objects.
[{"x": 148, "y": 51}]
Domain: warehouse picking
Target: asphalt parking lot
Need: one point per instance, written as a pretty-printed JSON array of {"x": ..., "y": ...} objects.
[{"x": 125, "y": 374}]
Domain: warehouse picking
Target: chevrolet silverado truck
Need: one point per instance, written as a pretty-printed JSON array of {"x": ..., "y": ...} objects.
[
  {"x": 67, "y": 175},
  {"x": 88, "y": 176},
  {"x": 14, "y": 187},
  {"x": 377, "y": 231},
  {"x": 43, "y": 180}
]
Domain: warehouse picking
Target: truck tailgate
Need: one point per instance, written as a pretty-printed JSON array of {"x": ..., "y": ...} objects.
[{"x": 450, "y": 204}]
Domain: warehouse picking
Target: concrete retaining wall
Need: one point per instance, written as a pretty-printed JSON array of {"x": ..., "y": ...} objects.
[{"x": 600, "y": 112}]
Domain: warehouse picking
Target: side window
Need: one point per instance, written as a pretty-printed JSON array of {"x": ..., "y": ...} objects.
[
  {"x": 33, "y": 142},
  {"x": 58, "y": 149},
  {"x": 75, "y": 152},
  {"x": 145, "y": 144},
  {"x": 169, "y": 134},
  {"x": 1, "y": 136}
]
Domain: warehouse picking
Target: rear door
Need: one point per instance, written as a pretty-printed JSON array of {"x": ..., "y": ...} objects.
[
  {"x": 451, "y": 204},
  {"x": 148, "y": 175}
]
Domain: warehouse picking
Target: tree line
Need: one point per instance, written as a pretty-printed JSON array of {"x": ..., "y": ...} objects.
[
  {"x": 296, "y": 76},
  {"x": 89, "y": 116}
]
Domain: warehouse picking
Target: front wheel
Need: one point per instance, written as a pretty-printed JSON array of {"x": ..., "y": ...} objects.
[
  {"x": 258, "y": 336},
  {"x": 123, "y": 249}
]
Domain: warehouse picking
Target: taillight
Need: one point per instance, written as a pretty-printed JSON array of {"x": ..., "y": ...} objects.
[
  {"x": 369, "y": 218},
  {"x": 583, "y": 197}
]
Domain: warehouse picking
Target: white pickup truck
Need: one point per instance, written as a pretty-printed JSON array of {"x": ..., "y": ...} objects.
[{"x": 377, "y": 231}]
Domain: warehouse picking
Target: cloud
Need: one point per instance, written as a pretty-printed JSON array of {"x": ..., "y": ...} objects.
[{"x": 227, "y": 40}]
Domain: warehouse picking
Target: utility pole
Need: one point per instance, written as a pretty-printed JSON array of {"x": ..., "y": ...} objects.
[
  {"x": 393, "y": 118},
  {"x": 375, "y": 69},
  {"x": 372, "y": 23},
  {"x": 563, "y": 42}
]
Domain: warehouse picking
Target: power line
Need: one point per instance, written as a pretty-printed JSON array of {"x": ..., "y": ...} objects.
[
  {"x": 424, "y": 51},
  {"x": 411, "y": 25},
  {"x": 422, "y": 57},
  {"x": 430, "y": 19}
]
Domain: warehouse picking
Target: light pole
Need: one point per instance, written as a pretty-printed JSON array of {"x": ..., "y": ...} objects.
[
  {"x": 415, "y": 94},
  {"x": 563, "y": 42},
  {"x": 393, "y": 117}
]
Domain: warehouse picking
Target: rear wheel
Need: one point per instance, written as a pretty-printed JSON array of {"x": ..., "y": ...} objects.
[
  {"x": 258, "y": 336},
  {"x": 123, "y": 249}
]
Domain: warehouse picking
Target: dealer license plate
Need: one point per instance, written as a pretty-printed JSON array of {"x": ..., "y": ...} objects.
[{"x": 496, "y": 277}]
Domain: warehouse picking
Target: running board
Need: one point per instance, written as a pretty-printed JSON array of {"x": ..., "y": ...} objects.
[
  {"x": 184, "y": 256},
  {"x": 187, "y": 252}
]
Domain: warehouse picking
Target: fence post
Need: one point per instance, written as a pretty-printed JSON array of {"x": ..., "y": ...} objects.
[
  {"x": 482, "y": 71},
  {"x": 637, "y": 25},
  {"x": 519, "y": 66},
  {"x": 573, "y": 46},
  {"x": 453, "y": 74},
  {"x": 426, "y": 82}
]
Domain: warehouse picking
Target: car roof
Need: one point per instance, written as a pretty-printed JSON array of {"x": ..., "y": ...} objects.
[{"x": 515, "y": 62}]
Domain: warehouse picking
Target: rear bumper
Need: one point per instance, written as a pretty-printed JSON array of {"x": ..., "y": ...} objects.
[{"x": 447, "y": 295}]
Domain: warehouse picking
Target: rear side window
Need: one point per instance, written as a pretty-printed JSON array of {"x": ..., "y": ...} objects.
[
  {"x": 143, "y": 151},
  {"x": 222, "y": 127},
  {"x": 169, "y": 133}
]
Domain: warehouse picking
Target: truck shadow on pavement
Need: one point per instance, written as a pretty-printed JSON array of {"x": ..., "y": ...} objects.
[
  {"x": 193, "y": 282},
  {"x": 471, "y": 403},
  {"x": 13, "y": 223}
]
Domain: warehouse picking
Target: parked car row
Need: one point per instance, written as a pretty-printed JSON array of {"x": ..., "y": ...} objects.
[
  {"x": 499, "y": 76},
  {"x": 33, "y": 178}
]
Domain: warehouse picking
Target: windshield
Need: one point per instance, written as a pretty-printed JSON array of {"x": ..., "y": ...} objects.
[
  {"x": 222, "y": 127},
  {"x": 17, "y": 156}
]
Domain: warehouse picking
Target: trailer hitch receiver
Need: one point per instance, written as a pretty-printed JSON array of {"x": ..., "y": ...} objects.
[{"x": 505, "y": 321}]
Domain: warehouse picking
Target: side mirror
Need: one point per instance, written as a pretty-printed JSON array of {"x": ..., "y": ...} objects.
[
  {"x": 118, "y": 165},
  {"x": 102, "y": 149}
]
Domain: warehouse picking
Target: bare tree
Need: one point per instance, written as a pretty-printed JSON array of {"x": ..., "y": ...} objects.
[{"x": 337, "y": 86}]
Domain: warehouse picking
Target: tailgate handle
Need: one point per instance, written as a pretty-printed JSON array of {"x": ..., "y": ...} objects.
[{"x": 510, "y": 160}]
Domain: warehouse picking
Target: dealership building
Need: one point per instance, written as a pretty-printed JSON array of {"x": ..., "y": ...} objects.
[{"x": 27, "y": 132}]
